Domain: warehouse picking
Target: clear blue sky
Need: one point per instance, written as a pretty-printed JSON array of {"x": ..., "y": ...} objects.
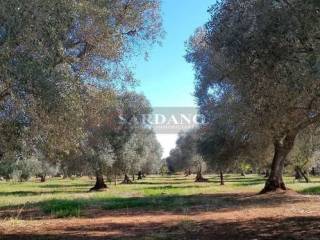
[{"x": 166, "y": 79}]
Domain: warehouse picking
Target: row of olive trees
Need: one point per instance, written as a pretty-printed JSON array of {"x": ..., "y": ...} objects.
[
  {"x": 185, "y": 156},
  {"x": 114, "y": 140},
  {"x": 197, "y": 151},
  {"x": 257, "y": 80},
  {"x": 117, "y": 139},
  {"x": 218, "y": 150},
  {"x": 64, "y": 76}
]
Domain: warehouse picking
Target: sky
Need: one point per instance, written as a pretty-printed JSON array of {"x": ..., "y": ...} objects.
[{"x": 166, "y": 79}]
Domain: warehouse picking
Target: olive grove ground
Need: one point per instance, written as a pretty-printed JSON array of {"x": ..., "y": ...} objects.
[{"x": 171, "y": 207}]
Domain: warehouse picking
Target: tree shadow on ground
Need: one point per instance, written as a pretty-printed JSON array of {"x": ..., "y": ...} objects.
[
  {"x": 175, "y": 177},
  {"x": 173, "y": 203},
  {"x": 311, "y": 190},
  {"x": 248, "y": 182},
  {"x": 77, "y": 185},
  {"x": 290, "y": 228},
  {"x": 186, "y": 181},
  {"x": 20, "y": 193},
  {"x": 173, "y": 187},
  {"x": 36, "y": 193}
]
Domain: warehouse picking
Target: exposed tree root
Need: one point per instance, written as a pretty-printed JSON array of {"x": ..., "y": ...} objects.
[
  {"x": 100, "y": 184},
  {"x": 273, "y": 185},
  {"x": 200, "y": 178}
]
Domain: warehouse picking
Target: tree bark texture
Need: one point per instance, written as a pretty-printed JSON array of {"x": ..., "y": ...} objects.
[
  {"x": 200, "y": 178},
  {"x": 126, "y": 180},
  {"x": 281, "y": 151},
  {"x": 100, "y": 184},
  {"x": 221, "y": 178}
]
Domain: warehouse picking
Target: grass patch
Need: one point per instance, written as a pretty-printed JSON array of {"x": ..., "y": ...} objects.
[
  {"x": 123, "y": 203},
  {"x": 63, "y": 208},
  {"x": 154, "y": 203},
  {"x": 311, "y": 190},
  {"x": 70, "y": 198}
]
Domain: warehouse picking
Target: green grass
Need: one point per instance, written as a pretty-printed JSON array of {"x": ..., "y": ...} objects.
[
  {"x": 70, "y": 198},
  {"x": 63, "y": 208}
]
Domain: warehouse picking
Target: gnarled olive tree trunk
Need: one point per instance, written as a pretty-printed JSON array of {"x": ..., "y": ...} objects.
[
  {"x": 221, "y": 178},
  {"x": 199, "y": 177},
  {"x": 300, "y": 174},
  {"x": 42, "y": 178},
  {"x": 100, "y": 184},
  {"x": 126, "y": 180},
  {"x": 267, "y": 174},
  {"x": 281, "y": 150}
]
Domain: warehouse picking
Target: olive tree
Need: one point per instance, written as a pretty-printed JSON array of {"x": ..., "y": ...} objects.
[
  {"x": 263, "y": 56},
  {"x": 304, "y": 153},
  {"x": 126, "y": 138},
  {"x": 51, "y": 51},
  {"x": 186, "y": 155},
  {"x": 152, "y": 152},
  {"x": 101, "y": 117}
]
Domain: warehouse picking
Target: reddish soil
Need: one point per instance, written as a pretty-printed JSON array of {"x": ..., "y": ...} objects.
[{"x": 286, "y": 216}]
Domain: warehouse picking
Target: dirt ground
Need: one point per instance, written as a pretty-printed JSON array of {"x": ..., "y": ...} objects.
[{"x": 243, "y": 217}]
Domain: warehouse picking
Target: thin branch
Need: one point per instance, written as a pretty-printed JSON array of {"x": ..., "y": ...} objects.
[{"x": 4, "y": 94}]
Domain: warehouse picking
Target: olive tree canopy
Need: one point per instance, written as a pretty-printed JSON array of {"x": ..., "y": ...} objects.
[{"x": 259, "y": 61}]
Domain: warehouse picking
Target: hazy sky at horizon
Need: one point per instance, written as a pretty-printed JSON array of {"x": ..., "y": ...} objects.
[{"x": 166, "y": 79}]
